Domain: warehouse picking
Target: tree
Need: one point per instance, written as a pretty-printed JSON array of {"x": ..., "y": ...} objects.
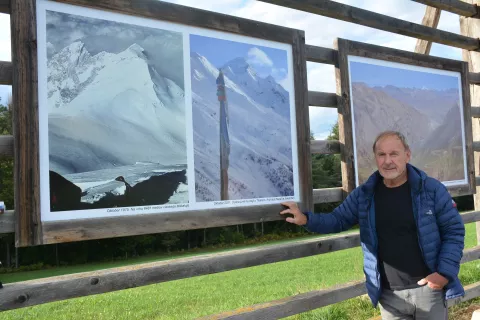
[{"x": 6, "y": 164}]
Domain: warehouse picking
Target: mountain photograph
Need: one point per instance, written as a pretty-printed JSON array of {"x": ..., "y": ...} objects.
[
  {"x": 116, "y": 114},
  {"x": 425, "y": 106},
  {"x": 241, "y": 120}
]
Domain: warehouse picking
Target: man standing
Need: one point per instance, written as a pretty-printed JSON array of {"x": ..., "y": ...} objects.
[{"x": 411, "y": 232}]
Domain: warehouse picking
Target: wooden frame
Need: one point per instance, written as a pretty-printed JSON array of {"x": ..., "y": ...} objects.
[
  {"x": 372, "y": 55},
  {"x": 31, "y": 229}
]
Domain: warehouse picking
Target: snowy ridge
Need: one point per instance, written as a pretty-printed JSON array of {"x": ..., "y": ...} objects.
[{"x": 111, "y": 110}]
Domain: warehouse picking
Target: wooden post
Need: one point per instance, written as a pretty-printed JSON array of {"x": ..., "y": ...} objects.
[
  {"x": 471, "y": 27},
  {"x": 431, "y": 19}
]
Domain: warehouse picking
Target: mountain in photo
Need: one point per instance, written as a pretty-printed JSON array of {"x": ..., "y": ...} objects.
[
  {"x": 109, "y": 110},
  {"x": 259, "y": 130},
  {"x": 431, "y": 138}
]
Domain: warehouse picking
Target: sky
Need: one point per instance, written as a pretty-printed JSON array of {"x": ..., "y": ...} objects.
[
  {"x": 265, "y": 60},
  {"x": 319, "y": 31},
  {"x": 375, "y": 75}
]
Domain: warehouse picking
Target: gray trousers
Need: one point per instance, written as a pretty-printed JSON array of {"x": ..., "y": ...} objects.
[{"x": 419, "y": 303}]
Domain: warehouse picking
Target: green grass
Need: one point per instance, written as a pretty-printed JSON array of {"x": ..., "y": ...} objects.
[{"x": 204, "y": 295}]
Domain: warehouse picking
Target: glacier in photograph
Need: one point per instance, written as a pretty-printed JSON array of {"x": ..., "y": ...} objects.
[
  {"x": 257, "y": 115},
  {"x": 116, "y": 114}
]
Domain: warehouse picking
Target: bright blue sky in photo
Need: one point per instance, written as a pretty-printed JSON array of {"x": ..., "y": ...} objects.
[
  {"x": 375, "y": 75},
  {"x": 219, "y": 52}
]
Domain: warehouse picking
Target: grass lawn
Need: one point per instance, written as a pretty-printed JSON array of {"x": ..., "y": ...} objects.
[{"x": 204, "y": 295}]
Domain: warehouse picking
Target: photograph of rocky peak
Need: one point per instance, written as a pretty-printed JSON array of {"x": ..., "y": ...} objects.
[
  {"x": 423, "y": 104},
  {"x": 241, "y": 120},
  {"x": 116, "y": 114}
]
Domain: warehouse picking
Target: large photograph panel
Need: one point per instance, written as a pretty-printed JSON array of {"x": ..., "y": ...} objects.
[
  {"x": 424, "y": 104},
  {"x": 242, "y": 120},
  {"x": 116, "y": 114}
]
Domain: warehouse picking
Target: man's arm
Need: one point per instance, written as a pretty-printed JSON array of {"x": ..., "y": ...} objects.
[
  {"x": 452, "y": 232},
  {"x": 342, "y": 218}
]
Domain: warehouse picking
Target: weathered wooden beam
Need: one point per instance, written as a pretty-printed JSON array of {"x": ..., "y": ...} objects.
[
  {"x": 476, "y": 146},
  {"x": 475, "y": 112},
  {"x": 5, "y": 6},
  {"x": 471, "y": 254},
  {"x": 6, "y": 146},
  {"x": 431, "y": 19},
  {"x": 474, "y": 77},
  {"x": 7, "y": 220},
  {"x": 471, "y": 216},
  {"x": 5, "y": 73},
  {"x": 383, "y": 22},
  {"x": 25, "y": 115},
  {"x": 322, "y": 99},
  {"x": 295, "y": 304},
  {"x": 327, "y": 195},
  {"x": 325, "y": 146},
  {"x": 29, "y": 293},
  {"x": 455, "y": 6},
  {"x": 313, "y": 300},
  {"x": 471, "y": 291},
  {"x": 320, "y": 54}
]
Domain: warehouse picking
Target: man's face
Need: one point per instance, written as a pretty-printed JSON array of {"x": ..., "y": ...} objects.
[{"x": 391, "y": 157}]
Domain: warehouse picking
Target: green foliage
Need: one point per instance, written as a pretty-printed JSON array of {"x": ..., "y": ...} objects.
[{"x": 6, "y": 164}]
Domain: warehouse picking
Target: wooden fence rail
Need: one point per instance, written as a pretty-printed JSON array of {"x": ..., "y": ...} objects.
[
  {"x": 313, "y": 300},
  {"x": 367, "y": 18},
  {"x": 455, "y": 6},
  {"x": 28, "y": 293}
]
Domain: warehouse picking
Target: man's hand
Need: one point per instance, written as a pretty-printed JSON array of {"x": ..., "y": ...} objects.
[
  {"x": 434, "y": 281},
  {"x": 298, "y": 217}
]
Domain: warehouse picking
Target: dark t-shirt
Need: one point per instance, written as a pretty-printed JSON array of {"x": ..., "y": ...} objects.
[{"x": 400, "y": 260}]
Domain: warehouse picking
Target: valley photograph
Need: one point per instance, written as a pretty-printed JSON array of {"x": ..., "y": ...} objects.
[
  {"x": 116, "y": 114},
  {"x": 242, "y": 127},
  {"x": 424, "y": 104}
]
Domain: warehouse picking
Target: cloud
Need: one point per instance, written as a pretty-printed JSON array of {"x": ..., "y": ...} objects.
[
  {"x": 5, "y": 46},
  {"x": 258, "y": 57}
]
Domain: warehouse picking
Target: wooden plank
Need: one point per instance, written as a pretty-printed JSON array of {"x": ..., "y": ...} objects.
[
  {"x": 471, "y": 27},
  {"x": 471, "y": 216},
  {"x": 321, "y": 55},
  {"x": 7, "y": 222},
  {"x": 475, "y": 114},
  {"x": 471, "y": 291},
  {"x": 471, "y": 254},
  {"x": 296, "y": 304},
  {"x": 25, "y": 121},
  {"x": 5, "y": 6},
  {"x": 192, "y": 16},
  {"x": 325, "y": 147},
  {"x": 322, "y": 99},
  {"x": 455, "y": 6},
  {"x": 6, "y": 146},
  {"x": 76, "y": 285},
  {"x": 476, "y": 146},
  {"x": 345, "y": 125},
  {"x": 474, "y": 78},
  {"x": 302, "y": 119},
  {"x": 83, "y": 284},
  {"x": 431, "y": 19},
  {"x": 327, "y": 195},
  {"x": 5, "y": 73},
  {"x": 367, "y": 18},
  {"x": 353, "y": 48}
]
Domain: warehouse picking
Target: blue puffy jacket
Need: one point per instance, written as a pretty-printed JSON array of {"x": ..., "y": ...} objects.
[{"x": 441, "y": 231}]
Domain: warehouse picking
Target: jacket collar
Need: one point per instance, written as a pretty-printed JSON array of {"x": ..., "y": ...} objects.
[{"x": 416, "y": 178}]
